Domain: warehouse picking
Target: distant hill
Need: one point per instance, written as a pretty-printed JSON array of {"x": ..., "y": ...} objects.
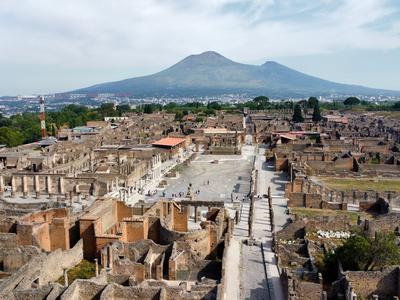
[{"x": 210, "y": 74}]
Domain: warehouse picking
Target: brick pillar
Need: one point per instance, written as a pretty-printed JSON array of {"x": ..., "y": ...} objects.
[{"x": 36, "y": 181}]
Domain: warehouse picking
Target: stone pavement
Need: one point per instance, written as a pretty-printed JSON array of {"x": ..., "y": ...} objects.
[
  {"x": 233, "y": 270},
  {"x": 259, "y": 272},
  {"x": 253, "y": 266},
  {"x": 216, "y": 181},
  {"x": 262, "y": 225}
]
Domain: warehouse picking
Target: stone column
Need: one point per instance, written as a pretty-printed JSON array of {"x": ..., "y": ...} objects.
[
  {"x": 1, "y": 185},
  {"x": 61, "y": 187},
  {"x": 49, "y": 186},
  {"x": 96, "y": 266},
  {"x": 24, "y": 186},
  {"x": 65, "y": 277},
  {"x": 109, "y": 257},
  {"x": 250, "y": 221},
  {"x": 37, "y": 185},
  {"x": 13, "y": 186},
  {"x": 195, "y": 214}
]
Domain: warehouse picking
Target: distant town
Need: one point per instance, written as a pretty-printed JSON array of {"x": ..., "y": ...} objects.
[{"x": 11, "y": 105}]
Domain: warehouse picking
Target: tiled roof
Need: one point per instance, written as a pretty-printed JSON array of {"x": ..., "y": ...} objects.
[{"x": 169, "y": 141}]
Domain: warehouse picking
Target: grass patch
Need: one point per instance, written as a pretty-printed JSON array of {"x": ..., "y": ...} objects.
[
  {"x": 392, "y": 114},
  {"x": 84, "y": 270},
  {"x": 364, "y": 184},
  {"x": 313, "y": 212}
]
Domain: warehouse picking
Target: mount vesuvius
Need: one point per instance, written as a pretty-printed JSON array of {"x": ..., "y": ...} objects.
[{"x": 210, "y": 73}]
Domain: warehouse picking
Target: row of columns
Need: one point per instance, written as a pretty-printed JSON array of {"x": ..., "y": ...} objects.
[{"x": 36, "y": 185}]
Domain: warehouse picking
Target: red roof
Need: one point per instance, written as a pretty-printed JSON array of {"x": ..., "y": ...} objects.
[{"x": 169, "y": 141}]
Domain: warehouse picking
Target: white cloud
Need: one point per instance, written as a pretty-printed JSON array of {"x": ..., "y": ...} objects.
[{"x": 146, "y": 35}]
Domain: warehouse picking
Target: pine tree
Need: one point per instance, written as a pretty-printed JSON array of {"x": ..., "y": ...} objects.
[
  {"x": 311, "y": 102},
  {"x": 316, "y": 116},
  {"x": 297, "y": 114}
]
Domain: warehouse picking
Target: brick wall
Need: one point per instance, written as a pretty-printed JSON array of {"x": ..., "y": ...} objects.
[{"x": 179, "y": 218}]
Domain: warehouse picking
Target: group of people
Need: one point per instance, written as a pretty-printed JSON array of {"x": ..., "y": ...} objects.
[{"x": 180, "y": 195}]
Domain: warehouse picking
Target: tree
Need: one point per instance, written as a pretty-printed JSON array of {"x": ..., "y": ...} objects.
[
  {"x": 148, "y": 108},
  {"x": 363, "y": 253},
  {"x": 261, "y": 99},
  {"x": 214, "y": 105},
  {"x": 297, "y": 114},
  {"x": 316, "y": 116},
  {"x": 123, "y": 108},
  {"x": 384, "y": 251},
  {"x": 351, "y": 101},
  {"x": 10, "y": 137},
  {"x": 311, "y": 102},
  {"x": 108, "y": 110},
  {"x": 396, "y": 105},
  {"x": 178, "y": 115},
  {"x": 170, "y": 106},
  {"x": 262, "y": 102},
  {"x": 303, "y": 103}
]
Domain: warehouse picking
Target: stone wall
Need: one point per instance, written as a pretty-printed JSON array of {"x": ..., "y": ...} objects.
[
  {"x": 385, "y": 283},
  {"x": 296, "y": 289},
  {"x": 305, "y": 193},
  {"x": 42, "y": 269}
]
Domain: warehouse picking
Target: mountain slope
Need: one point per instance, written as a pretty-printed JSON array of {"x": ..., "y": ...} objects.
[{"x": 210, "y": 73}]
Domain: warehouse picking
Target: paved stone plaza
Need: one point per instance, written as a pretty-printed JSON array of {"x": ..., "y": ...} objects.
[{"x": 217, "y": 177}]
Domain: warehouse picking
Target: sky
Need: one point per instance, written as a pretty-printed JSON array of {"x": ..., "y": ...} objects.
[{"x": 51, "y": 46}]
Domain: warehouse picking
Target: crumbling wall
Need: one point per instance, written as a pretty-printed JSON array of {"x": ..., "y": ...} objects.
[
  {"x": 384, "y": 283},
  {"x": 297, "y": 289},
  {"x": 114, "y": 292},
  {"x": 43, "y": 269},
  {"x": 198, "y": 240},
  {"x": 83, "y": 290}
]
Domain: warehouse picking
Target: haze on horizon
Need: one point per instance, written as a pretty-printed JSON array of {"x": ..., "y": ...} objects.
[{"x": 54, "y": 46}]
